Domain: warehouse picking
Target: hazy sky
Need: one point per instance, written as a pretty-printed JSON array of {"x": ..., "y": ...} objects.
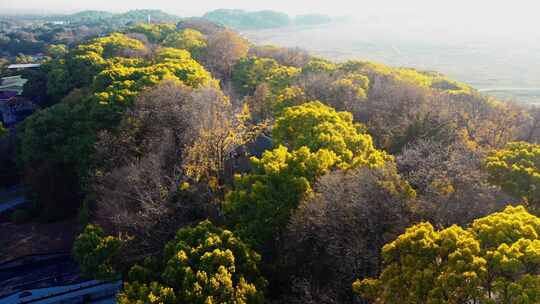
[
  {"x": 515, "y": 10},
  {"x": 500, "y": 19}
]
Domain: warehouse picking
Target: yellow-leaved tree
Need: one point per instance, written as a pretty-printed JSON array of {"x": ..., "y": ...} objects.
[
  {"x": 516, "y": 169},
  {"x": 311, "y": 139},
  {"x": 495, "y": 260},
  {"x": 203, "y": 264}
]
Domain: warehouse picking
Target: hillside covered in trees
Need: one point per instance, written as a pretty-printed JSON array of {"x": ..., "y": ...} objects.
[
  {"x": 243, "y": 20},
  {"x": 205, "y": 169}
]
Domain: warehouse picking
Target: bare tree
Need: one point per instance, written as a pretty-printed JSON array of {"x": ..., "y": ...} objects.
[
  {"x": 295, "y": 57},
  {"x": 136, "y": 199},
  {"x": 336, "y": 235},
  {"x": 139, "y": 171},
  {"x": 225, "y": 49},
  {"x": 531, "y": 132},
  {"x": 451, "y": 186},
  {"x": 165, "y": 165},
  {"x": 214, "y": 131},
  {"x": 334, "y": 91},
  {"x": 140, "y": 131},
  {"x": 489, "y": 122},
  {"x": 397, "y": 112},
  {"x": 259, "y": 104}
]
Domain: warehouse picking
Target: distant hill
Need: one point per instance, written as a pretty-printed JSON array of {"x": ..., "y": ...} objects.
[
  {"x": 240, "y": 19},
  {"x": 202, "y": 25},
  {"x": 233, "y": 18},
  {"x": 244, "y": 20},
  {"x": 89, "y": 16},
  {"x": 132, "y": 16},
  {"x": 312, "y": 19},
  {"x": 142, "y": 15}
]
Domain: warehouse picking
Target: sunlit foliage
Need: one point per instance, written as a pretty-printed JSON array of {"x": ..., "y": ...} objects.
[
  {"x": 96, "y": 253},
  {"x": 191, "y": 40},
  {"x": 493, "y": 261},
  {"x": 516, "y": 169},
  {"x": 111, "y": 71},
  {"x": 312, "y": 138},
  {"x": 281, "y": 178},
  {"x": 252, "y": 71},
  {"x": 318, "y": 126},
  {"x": 203, "y": 264},
  {"x": 154, "y": 32}
]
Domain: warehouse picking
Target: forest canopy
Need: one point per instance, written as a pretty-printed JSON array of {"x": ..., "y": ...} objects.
[{"x": 205, "y": 169}]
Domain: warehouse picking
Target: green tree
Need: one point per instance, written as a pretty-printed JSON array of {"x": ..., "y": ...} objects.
[
  {"x": 188, "y": 39},
  {"x": 64, "y": 133},
  {"x": 154, "y": 32},
  {"x": 262, "y": 202},
  {"x": 282, "y": 77},
  {"x": 22, "y": 58},
  {"x": 292, "y": 96},
  {"x": 36, "y": 86},
  {"x": 85, "y": 61},
  {"x": 119, "y": 84},
  {"x": 496, "y": 260},
  {"x": 110, "y": 70},
  {"x": 312, "y": 139},
  {"x": 203, "y": 264},
  {"x": 319, "y": 65},
  {"x": 516, "y": 169},
  {"x": 350, "y": 92},
  {"x": 317, "y": 126},
  {"x": 57, "y": 50},
  {"x": 252, "y": 71},
  {"x": 96, "y": 253}
]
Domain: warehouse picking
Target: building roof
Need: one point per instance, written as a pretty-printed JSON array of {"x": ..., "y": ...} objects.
[
  {"x": 12, "y": 84},
  {"x": 12, "y": 80},
  {"x": 91, "y": 291},
  {"x": 51, "y": 278},
  {"x": 38, "y": 271},
  {"x": 24, "y": 66}
]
